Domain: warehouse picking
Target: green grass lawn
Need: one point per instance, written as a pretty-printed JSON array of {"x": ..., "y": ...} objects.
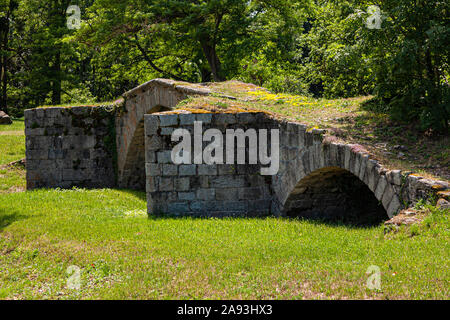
[
  {"x": 12, "y": 148},
  {"x": 123, "y": 254},
  {"x": 17, "y": 125}
]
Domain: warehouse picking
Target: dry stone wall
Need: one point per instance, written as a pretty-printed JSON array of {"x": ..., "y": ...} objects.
[
  {"x": 315, "y": 178},
  {"x": 200, "y": 189},
  {"x": 68, "y": 147}
]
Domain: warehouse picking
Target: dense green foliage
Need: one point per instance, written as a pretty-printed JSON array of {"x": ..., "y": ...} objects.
[{"x": 319, "y": 48}]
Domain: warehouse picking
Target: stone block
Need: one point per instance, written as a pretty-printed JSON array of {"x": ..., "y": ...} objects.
[
  {"x": 182, "y": 184},
  {"x": 167, "y": 131},
  {"x": 166, "y": 184},
  {"x": 381, "y": 186},
  {"x": 207, "y": 170},
  {"x": 151, "y": 184},
  {"x": 357, "y": 164},
  {"x": 178, "y": 207},
  {"x": 150, "y": 156},
  {"x": 153, "y": 169},
  {"x": 206, "y": 194},
  {"x": 249, "y": 193},
  {"x": 187, "y": 119},
  {"x": 186, "y": 196},
  {"x": 153, "y": 143},
  {"x": 164, "y": 157},
  {"x": 205, "y": 118},
  {"x": 168, "y": 120},
  {"x": 245, "y": 117},
  {"x": 187, "y": 170},
  {"x": 170, "y": 170},
  {"x": 228, "y": 182},
  {"x": 388, "y": 194},
  {"x": 226, "y": 169},
  {"x": 151, "y": 123},
  {"x": 227, "y": 194},
  {"x": 394, "y": 207},
  {"x": 362, "y": 171},
  {"x": 224, "y": 118},
  {"x": 394, "y": 177}
]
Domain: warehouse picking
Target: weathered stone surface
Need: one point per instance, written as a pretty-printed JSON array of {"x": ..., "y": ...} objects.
[
  {"x": 381, "y": 186},
  {"x": 188, "y": 170},
  {"x": 207, "y": 170},
  {"x": 182, "y": 184},
  {"x": 443, "y": 204},
  {"x": 394, "y": 177},
  {"x": 74, "y": 153},
  {"x": 224, "y": 119},
  {"x": 394, "y": 206},
  {"x": 151, "y": 125},
  {"x": 168, "y": 120},
  {"x": 227, "y": 193},
  {"x": 206, "y": 194},
  {"x": 187, "y": 119},
  {"x": 205, "y": 118},
  {"x": 170, "y": 170}
]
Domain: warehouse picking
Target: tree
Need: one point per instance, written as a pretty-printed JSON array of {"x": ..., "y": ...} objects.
[
  {"x": 411, "y": 61},
  {"x": 183, "y": 40},
  {"x": 6, "y": 16}
]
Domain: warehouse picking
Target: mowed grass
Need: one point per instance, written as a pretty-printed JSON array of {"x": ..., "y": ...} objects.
[
  {"x": 124, "y": 254},
  {"x": 12, "y": 148},
  {"x": 17, "y": 125}
]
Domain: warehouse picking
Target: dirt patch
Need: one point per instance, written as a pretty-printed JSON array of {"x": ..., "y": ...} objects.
[
  {"x": 11, "y": 133},
  {"x": 19, "y": 164}
]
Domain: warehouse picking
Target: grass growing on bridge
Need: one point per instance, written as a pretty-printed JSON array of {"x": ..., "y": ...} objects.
[
  {"x": 124, "y": 254},
  {"x": 397, "y": 145}
]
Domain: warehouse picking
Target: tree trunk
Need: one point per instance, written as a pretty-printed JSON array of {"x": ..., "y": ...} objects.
[
  {"x": 4, "y": 97},
  {"x": 4, "y": 32},
  {"x": 213, "y": 60},
  {"x": 56, "y": 83}
]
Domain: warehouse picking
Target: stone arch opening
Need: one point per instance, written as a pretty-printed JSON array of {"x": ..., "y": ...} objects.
[
  {"x": 133, "y": 175},
  {"x": 333, "y": 194}
]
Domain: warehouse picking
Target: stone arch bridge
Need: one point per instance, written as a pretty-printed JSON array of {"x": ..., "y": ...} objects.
[{"x": 129, "y": 147}]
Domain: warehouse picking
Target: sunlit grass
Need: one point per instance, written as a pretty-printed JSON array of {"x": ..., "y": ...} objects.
[
  {"x": 12, "y": 148},
  {"x": 124, "y": 254},
  {"x": 12, "y": 180},
  {"x": 17, "y": 125}
]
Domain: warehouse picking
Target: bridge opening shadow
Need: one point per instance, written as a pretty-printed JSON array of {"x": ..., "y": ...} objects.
[
  {"x": 134, "y": 168},
  {"x": 335, "y": 196}
]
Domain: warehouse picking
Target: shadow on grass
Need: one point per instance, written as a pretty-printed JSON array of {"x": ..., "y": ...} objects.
[
  {"x": 333, "y": 223},
  {"x": 141, "y": 195},
  {"x": 342, "y": 223},
  {"x": 7, "y": 218},
  {"x": 330, "y": 223}
]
